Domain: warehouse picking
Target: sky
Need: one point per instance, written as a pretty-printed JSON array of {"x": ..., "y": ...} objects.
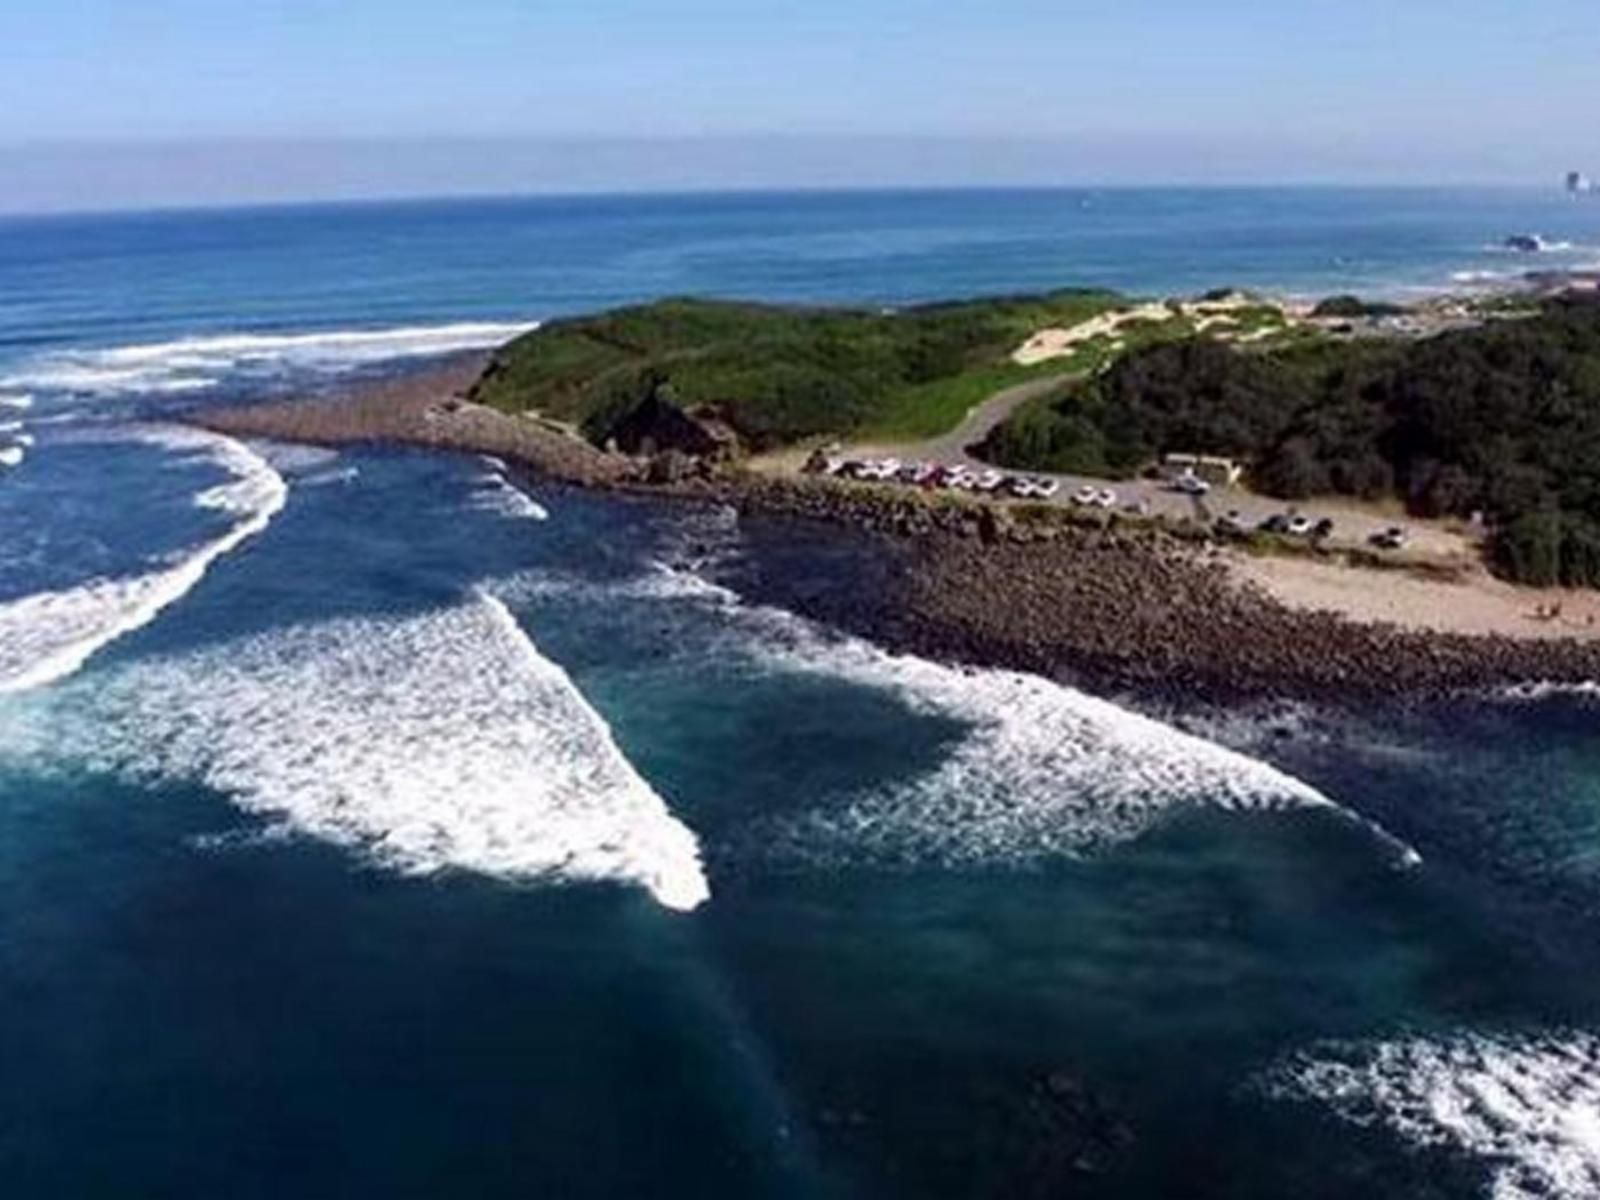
[{"x": 106, "y": 102}]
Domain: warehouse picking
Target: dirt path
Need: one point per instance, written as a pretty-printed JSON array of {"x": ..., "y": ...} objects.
[{"x": 980, "y": 421}]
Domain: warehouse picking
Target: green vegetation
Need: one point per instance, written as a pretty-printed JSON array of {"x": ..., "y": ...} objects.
[
  {"x": 778, "y": 374},
  {"x": 1503, "y": 419}
]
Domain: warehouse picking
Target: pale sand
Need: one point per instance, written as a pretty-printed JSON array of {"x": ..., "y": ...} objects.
[
  {"x": 1479, "y": 604},
  {"x": 1060, "y": 342}
]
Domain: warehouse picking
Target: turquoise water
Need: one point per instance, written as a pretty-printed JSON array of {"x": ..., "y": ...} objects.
[{"x": 372, "y": 826}]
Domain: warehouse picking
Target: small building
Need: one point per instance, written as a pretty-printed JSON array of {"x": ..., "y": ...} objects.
[{"x": 1215, "y": 470}]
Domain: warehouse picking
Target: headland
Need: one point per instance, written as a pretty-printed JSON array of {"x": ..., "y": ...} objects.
[{"x": 1161, "y": 589}]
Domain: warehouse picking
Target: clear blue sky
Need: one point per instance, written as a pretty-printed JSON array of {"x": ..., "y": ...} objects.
[{"x": 1006, "y": 91}]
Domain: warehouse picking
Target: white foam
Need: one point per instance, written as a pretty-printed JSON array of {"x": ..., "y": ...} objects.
[
  {"x": 1041, "y": 769},
  {"x": 497, "y": 494},
  {"x": 441, "y": 740},
  {"x": 197, "y": 363},
  {"x": 12, "y": 456},
  {"x": 1527, "y": 1105},
  {"x": 1587, "y": 689},
  {"x": 23, "y": 401},
  {"x": 49, "y": 635}
]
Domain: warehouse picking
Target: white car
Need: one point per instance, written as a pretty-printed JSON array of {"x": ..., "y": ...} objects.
[
  {"x": 1299, "y": 525},
  {"x": 1191, "y": 485},
  {"x": 1045, "y": 488},
  {"x": 1105, "y": 498},
  {"x": 1392, "y": 538},
  {"x": 882, "y": 468},
  {"x": 1085, "y": 495},
  {"x": 1233, "y": 521},
  {"x": 987, "y": 481}
]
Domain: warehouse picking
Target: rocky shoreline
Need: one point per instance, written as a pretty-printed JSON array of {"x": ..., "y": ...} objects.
[{"x": 1108, "y": 604}]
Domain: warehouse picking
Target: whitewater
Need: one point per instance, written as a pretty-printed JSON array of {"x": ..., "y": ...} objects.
[
  {"x": 436, "y": 741},
  {"x": 1042, "y": 771},
  {"x": 188, "y": 365},
  {"x": 46, "y": 636}
]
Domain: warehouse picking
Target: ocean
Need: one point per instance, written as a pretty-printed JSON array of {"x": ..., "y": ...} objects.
[{"x": 375, "y": 824}]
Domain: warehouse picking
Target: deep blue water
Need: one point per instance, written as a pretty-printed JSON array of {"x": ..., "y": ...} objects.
[{"x": 372, "y": 827}]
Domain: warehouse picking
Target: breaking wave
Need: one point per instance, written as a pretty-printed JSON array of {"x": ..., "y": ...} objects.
[
  {"x": 1526, "y": 1106},
  {"x": 48, "y": 635},
  {"x": 496, "y": 494},
  {"x": 198, "y": 363},
  {"x": 1041, "y": 770},
  {"x": 429, "y": 742},
  {"x": 23, "y": 401}
]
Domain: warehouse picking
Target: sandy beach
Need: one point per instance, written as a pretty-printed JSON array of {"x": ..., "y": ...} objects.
[{"x": 1477, "y": 604}]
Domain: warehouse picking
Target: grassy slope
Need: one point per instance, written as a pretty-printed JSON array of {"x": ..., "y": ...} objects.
[{"x": 781, "y": 373}]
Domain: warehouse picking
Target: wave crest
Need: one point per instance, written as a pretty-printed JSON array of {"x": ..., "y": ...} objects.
[
  {"x": 49, "y": 635},
  {"x": 1041, "y": 770}
]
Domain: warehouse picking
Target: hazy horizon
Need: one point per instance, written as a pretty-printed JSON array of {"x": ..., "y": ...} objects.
[
  {"x": 177, "y": 103},
  {"x": 102, "y": 176}
]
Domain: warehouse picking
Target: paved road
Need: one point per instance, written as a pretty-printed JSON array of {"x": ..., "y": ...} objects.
[{"x": 1354, "y": 523}]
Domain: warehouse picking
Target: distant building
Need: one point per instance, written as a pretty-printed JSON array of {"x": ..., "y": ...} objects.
[
  {"x": 1578, "y": 182},
  {"x": 1219, "y": 472}
]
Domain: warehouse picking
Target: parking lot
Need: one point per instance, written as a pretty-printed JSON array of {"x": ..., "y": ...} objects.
[{"x": 1339, "y": 521}]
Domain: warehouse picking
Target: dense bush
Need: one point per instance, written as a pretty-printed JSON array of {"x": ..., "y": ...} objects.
[
  {"x": 1350, "y": 307},
  {"x": 1502, "y": 419}
]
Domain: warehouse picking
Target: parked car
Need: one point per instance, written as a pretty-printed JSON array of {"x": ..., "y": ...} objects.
[
  {"x": 1392, "y": 538},
  {"x": 1233, "y": 521},
  {"x": 1105, "y": 498},
  {"x": 1044, "y": 489},
  {"x": 986, "y": 481},
  {"x": 1323, "y": 529},
  {"x": 1276, "y": 523},
  {"x": 1191, "y": 484},
  {"x": 1299, "y": 525},
  {"x": 1084, "y": 495}
]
